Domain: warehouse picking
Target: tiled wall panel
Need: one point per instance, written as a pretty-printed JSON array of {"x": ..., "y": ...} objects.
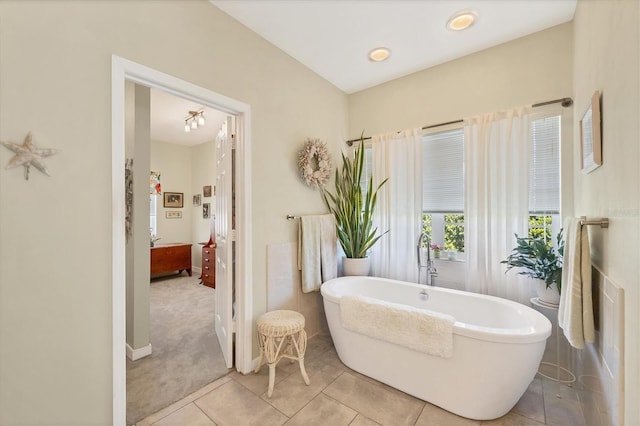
[{"x": 284, "y": 288}]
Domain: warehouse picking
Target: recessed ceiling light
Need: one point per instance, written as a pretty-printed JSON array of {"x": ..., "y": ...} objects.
[
  {"x": 379, "y": 54},
  {"x": 462, "y": 20}
]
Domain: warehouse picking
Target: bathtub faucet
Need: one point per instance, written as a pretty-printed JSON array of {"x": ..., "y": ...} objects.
[{"x": 431, "y": 269}]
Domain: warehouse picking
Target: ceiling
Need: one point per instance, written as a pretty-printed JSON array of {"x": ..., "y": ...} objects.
[
  {"x": 333, "y": 37},
  {"x": 168, "y": 113}
]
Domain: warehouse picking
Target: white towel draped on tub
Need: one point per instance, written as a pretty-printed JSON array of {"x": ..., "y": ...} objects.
[
  {"x": 418, "y": 329},
  {"x": 317, "y": 251},
  {"x": 575, "y": 313}
]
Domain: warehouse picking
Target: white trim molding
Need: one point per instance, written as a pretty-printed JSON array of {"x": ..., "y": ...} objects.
[
  {"x": 136, "y": 354},
  {"x": 118, "y": 259},
  {"x": 254, "y": 364}
]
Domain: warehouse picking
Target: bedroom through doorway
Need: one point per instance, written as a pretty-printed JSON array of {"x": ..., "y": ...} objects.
[{"x": 184, "y": 350}]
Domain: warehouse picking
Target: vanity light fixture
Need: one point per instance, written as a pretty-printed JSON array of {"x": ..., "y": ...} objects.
[
  {"x": 193, "y": 120},
  {"x": 462, "y": 20},
  {"x": 379, "y": 54}
]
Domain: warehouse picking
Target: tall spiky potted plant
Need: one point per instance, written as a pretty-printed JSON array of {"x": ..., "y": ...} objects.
[{"x": 353, "y": 207}]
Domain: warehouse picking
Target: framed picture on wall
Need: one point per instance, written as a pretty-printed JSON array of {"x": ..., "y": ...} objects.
[
  {"x": 591, "y": 135},
  {"x": 174, "y": 199},
  {"x": 206, "y": 210},
  {"x": 173, "y": 214},
  {"x": 206, "y": 191},
  {"x": 197, "y": 200}
]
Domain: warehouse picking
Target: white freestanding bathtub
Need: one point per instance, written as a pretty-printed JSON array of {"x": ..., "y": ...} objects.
[{"x": 497, "y": 346}]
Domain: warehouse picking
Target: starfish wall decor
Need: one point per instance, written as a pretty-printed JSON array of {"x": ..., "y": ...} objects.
[{"x": 28, "y": 155}]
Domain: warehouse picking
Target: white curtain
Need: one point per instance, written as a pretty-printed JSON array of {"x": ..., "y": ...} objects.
[
  {"x": 496, "y": 200},
  {"x": 398, "y": 156}
]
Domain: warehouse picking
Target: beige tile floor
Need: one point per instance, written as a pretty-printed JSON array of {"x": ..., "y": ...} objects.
[{"x": 340, "y": 396}]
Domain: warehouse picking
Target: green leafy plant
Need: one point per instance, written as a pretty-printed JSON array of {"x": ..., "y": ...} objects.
[
  {"x": 352, "y": 207},
  {"x": 538, "y": 259},
  {"x": 454, "y": 232}
]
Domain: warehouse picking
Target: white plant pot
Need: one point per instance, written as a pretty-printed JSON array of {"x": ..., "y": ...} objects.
[
  {"x": 550, "y": 296},
  {"x": 355, "y": 266}
]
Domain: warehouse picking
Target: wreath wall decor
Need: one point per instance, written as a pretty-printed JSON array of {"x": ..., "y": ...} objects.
[{"x": 315, "y": 163}]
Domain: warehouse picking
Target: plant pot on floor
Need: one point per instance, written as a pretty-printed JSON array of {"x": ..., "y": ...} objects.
[
  {"x": 549, "y": 295},
  {"x": 355, "y": 266}
]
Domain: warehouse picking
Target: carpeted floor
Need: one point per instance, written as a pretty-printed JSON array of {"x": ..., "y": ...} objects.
[{"x": 186, "y": 355}]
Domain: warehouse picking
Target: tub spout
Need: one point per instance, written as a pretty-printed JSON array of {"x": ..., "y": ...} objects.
[{"x": 424, "y": 240}]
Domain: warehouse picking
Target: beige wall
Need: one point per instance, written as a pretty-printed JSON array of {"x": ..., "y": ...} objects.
[
  {"x": 527, "y": 70},
  {"x": 174, "y": 162},
  {"x": 607, "y": 55},
  {"x": 55, "y": 262}
]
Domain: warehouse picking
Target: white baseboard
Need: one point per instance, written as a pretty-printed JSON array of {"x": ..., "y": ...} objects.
[
  {"x": 135, "y": 354},
  {"x": 195, "y": 270},
  {"x": 254, "y": 364}
]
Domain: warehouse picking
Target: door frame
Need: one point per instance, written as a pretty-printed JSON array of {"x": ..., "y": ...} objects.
[{"x": 122, "y": 70}]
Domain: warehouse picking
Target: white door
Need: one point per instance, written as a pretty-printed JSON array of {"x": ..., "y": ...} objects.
[{"x": 224, "y": 240}]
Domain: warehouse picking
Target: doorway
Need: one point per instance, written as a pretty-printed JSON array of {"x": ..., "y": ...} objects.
[
  {"x": 170, "y": 315},
  {"x": 125, "y": 70}
]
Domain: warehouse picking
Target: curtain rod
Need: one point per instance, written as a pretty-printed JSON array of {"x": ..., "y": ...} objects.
[{"x": 565, "y": 102}]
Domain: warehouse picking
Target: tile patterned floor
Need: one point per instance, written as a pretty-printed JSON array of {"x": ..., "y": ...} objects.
[{"x": 340, "y": 396}]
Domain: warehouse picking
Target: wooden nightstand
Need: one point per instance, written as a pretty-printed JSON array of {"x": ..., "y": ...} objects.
[{"x": 208, "y": 276}]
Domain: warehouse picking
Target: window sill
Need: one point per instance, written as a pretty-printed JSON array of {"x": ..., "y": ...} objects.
[{"x": 446, "y": 259}]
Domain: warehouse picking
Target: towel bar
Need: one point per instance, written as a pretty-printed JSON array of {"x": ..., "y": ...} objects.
[
  {"x": 291, "y": 217},
  {"x": 604, "y": 222}
]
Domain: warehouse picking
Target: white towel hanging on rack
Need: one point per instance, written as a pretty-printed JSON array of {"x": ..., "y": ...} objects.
[
  {"x": 575, "y": 313},
  {"x": 317, "y": 251}
]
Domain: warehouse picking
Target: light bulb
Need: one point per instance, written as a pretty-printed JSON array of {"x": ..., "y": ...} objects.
[
  {"x": 186, "y": 127},
  {"x": 462, "y": 20},
  {"x": 379, "y": 54},
  {"x": 194, "y": 124},
  {"x": 201, "y": 120}
]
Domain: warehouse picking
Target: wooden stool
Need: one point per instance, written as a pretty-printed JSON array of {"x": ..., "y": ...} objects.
[{"x": 279, "y": 333}]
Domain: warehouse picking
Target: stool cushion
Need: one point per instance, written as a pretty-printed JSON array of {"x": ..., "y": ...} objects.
[{"x": 280, "y": 323}]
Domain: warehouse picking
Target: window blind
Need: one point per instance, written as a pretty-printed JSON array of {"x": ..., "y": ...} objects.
[
  {"x": 368, "y": 167},
  {"x": 442, "y": 175},
  {"x": 544, "y": 178}
]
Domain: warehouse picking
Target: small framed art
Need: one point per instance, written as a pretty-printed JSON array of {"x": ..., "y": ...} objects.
[
  {"x": 206, "y": 191},
  {"x": 173, "y": 199},
  {"x": 591, "y": 135},
  {"x": 173, "y": 214}
]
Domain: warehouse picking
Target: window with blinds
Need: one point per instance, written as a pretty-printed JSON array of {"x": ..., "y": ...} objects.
[
  {"x": 442, "y": 174},
  {"x": 443, "y": 182},
  {"x": 544, "y": 177},
  {"x": 443, "y": 189}
]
